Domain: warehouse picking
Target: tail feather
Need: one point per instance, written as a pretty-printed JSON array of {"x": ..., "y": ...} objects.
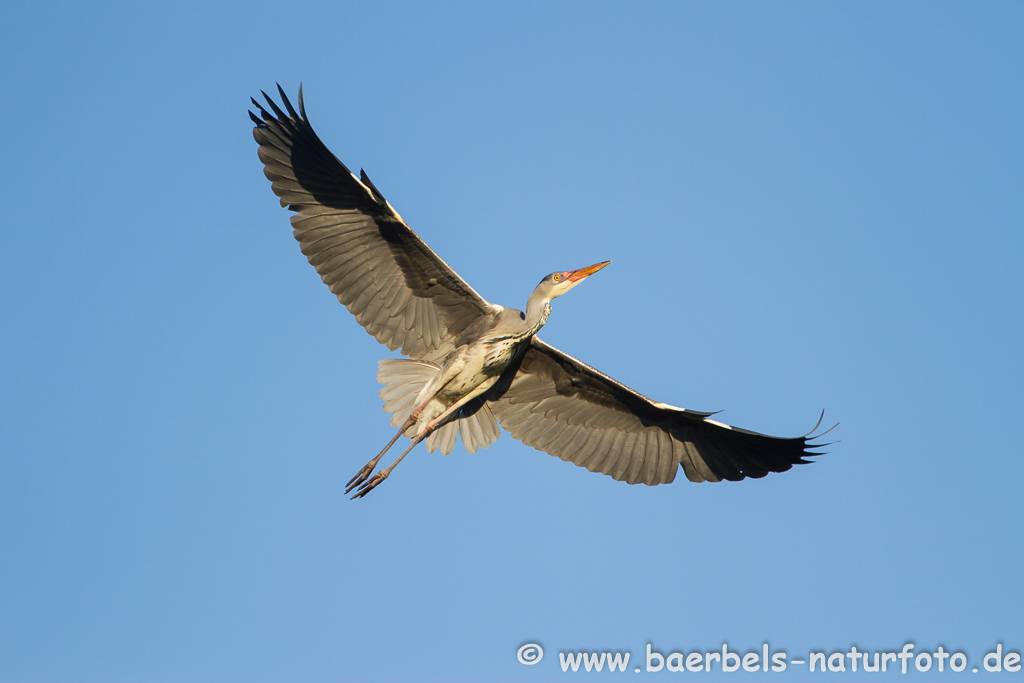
[
  {"x": 404, "y": 379},
  {"x": 478, "y": 429},
  {"x": 443, "y": 438}
]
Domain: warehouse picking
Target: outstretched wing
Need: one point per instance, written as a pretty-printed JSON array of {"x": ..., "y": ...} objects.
[
  {"x": 403, "y": 293},
  {"x": 564, "y": 407}
]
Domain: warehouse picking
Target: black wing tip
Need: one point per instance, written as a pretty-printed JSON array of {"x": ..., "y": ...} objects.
[
  {"x": 264, "y": 115},
  {"x": 287, "y": 103},
  {"x": 811, "y": 438},
  {"x": 278, "y": 114},
  {"x": 754, "y": 455}
]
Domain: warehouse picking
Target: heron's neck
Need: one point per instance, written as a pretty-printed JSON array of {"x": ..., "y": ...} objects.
[{"x": 538, "y": 308}]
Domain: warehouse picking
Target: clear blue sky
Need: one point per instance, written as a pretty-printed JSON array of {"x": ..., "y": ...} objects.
[{"x": 808, "y": 206}]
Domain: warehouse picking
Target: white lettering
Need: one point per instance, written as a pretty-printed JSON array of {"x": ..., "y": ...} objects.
[
  {"x": 906, "y": 654},
  {"x": 726, "y": 655},
  {"x": 618, "y": 659},
  {"x": 998, "y": 656},
  {"x": 651, "y": 654},
  {"x": 853, "y": 654}
]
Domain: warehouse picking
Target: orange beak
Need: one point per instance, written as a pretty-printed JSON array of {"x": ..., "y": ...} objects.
[{"x": 577, "y": 275}]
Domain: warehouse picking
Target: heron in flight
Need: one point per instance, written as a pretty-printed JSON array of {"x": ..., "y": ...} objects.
[{"x": 472, "y": 364}]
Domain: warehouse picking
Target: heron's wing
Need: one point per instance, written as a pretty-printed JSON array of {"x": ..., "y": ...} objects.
[
  {"x": 564, "y": 407},
  {"x": 394, "y": 284}
]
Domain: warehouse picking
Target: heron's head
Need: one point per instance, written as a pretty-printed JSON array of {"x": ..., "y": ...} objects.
[{"x": 558, "y": 283}]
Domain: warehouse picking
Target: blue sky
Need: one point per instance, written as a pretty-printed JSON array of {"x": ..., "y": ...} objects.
[{"x": 808, "y": 206}]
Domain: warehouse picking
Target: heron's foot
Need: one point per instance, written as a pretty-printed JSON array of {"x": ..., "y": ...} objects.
[
  {"x": 361, "y": 476},
  {"x": 372, "y": 484}
]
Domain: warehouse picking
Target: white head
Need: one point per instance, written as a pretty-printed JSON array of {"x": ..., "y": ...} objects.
[
  {"x": 558, "y": 283},
  {"x": 553, "y": 285}
]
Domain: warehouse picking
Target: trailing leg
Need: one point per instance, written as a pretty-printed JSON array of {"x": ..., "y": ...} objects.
[
  {"x": 383, "y": 474},
  {"x": 368, "y": 468}
]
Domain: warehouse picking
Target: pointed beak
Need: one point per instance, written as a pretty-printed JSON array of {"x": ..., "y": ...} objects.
[{"x": 577, "y": 275}]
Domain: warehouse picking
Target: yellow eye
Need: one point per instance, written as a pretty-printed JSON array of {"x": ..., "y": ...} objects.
[{"x": 557, "y": 278}]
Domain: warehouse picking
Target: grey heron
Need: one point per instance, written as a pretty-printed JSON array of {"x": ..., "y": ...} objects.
[{"x": 472, "y": 364}]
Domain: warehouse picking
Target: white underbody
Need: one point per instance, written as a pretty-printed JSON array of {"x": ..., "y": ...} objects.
[{"x": 466, "y": 374}]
